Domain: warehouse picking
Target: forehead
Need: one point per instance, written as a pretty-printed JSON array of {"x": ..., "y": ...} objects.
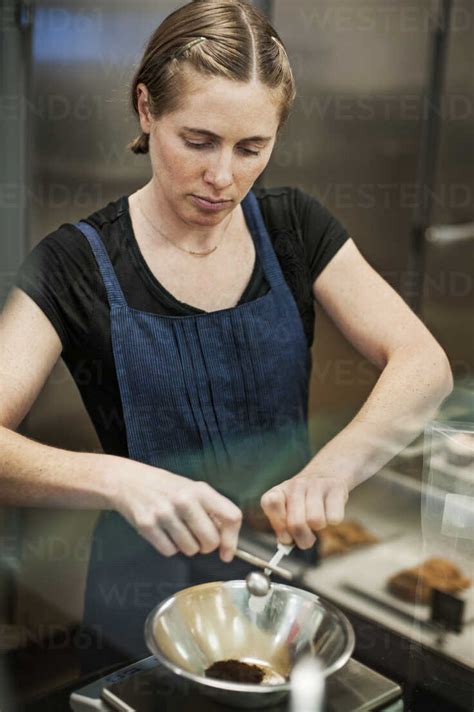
[{"x": 228, "y": 107}]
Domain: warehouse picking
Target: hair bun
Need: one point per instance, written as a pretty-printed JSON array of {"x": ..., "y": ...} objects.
[{"x": 141, "y": 144}]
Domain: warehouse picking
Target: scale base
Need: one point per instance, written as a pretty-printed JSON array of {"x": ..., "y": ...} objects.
[{"x": 146, "y": 686}]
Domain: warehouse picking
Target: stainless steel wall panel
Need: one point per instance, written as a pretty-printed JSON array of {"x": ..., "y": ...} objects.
[
  {"x": 353, "y": 141},
  {"x": 84, "y": 56}
]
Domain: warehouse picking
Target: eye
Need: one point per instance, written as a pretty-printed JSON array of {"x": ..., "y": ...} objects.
[
  {"x": 196, "y": 145},
  {"x": 201, "y": 146},
  {"x": 249, "y": 152}
]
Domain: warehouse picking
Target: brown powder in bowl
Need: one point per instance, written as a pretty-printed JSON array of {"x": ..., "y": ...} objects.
[{"x": 235, "y": 671}]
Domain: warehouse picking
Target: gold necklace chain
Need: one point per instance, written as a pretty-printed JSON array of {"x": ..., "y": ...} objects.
[{"x": 194, "y": 253}]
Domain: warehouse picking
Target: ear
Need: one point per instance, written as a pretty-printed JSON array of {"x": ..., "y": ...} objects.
[{"x": 143, "y": 109}]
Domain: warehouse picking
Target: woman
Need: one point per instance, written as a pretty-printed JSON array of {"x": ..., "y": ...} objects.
[{"x": 189, "y": 304}]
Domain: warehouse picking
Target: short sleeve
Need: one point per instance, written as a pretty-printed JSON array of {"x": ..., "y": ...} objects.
[
  {"x": 322, "y": 233},
  {"x": 57, "y": 275}
]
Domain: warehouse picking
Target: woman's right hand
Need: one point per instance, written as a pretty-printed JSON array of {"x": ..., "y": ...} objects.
[{"x": 174, "y": 513}]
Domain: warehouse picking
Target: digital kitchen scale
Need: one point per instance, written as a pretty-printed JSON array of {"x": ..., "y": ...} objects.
[{"x": 147, "y": 686}]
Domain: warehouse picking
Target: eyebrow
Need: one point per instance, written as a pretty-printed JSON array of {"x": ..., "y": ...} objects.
[{"x": 205, "y": 132}]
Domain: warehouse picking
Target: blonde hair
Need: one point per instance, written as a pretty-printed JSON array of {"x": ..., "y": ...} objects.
[{"x": 218, "y": 38}]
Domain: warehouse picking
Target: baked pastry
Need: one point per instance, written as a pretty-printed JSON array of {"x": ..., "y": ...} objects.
[
  {"x": 417, "y": 583},
  {"x": 340, "y": 538}
]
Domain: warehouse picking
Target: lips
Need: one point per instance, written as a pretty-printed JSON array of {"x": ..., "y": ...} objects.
[{"x": 211, "y": 200}]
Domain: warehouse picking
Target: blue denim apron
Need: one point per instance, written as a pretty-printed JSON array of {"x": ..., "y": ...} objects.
[{"x": 220, "y": 396}]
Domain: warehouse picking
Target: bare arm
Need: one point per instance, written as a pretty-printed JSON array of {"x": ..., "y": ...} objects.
[
  {"x": 32, "y": 474},
  {"x": 170, "y": 511},
  {"x": 416, "y": 375},
  {"x": 415, "y": 378}
]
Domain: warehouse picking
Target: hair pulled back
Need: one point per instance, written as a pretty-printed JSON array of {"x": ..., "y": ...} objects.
[{"x": 238, "y": 43}]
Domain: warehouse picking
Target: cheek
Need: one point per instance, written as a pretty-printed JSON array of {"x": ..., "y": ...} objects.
[
  {"x": 251, "y": 168},
  {"x": 185, "y": 162},
  {"x": 171, "y": 157},
  {"x": 247, "y": 168},
  {"x": 260, "y": 163}
]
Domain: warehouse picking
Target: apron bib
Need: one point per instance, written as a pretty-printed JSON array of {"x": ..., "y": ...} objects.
[{"x": 220, "y": 396}]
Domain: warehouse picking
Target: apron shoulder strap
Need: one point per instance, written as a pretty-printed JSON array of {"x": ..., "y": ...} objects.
[
  {"x": 112, "y": 287},
  {"x": 283, "y": 220}
]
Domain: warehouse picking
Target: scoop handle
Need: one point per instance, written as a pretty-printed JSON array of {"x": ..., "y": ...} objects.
[
  {"x": 282, "y": 550},
  {"x": 262, "y": 564}
]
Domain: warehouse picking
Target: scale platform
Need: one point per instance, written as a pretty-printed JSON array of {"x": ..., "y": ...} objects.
[{"x": 147, "y": 686}]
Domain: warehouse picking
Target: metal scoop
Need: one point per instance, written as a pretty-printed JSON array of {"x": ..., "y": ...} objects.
[{"x": 258, "y": 582}]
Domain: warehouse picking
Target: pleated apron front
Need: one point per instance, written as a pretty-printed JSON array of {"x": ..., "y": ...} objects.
[{"x": 216, "y": 396}]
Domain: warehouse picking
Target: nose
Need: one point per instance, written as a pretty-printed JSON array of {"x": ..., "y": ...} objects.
[{"x": 219, "y": 173}]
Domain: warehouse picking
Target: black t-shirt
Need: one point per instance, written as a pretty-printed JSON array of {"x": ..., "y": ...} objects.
[{"x": 62, "y": 276}]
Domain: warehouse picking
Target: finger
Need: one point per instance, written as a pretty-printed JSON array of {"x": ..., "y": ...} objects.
[
  {"x": 179, "y": 533},
  {"x": 335, "y": 503},
  {"x": 273, "y": 504},
  {"x": 226, "y": 516},
  {"x": 297, "y": 524},
  {"x": 200, "y": 525},
  {"x": 315, "y": 512},
  {"x": 161, "y": 541}
]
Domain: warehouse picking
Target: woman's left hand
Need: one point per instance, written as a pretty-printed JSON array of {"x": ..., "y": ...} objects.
[{"x": 300, "y": 506}]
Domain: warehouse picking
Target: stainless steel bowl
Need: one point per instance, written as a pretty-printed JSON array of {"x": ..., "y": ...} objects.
[{"x": 204, "y": 624}]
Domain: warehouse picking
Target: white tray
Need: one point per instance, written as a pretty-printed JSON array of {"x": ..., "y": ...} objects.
[{"x": 385, "y": 561}]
